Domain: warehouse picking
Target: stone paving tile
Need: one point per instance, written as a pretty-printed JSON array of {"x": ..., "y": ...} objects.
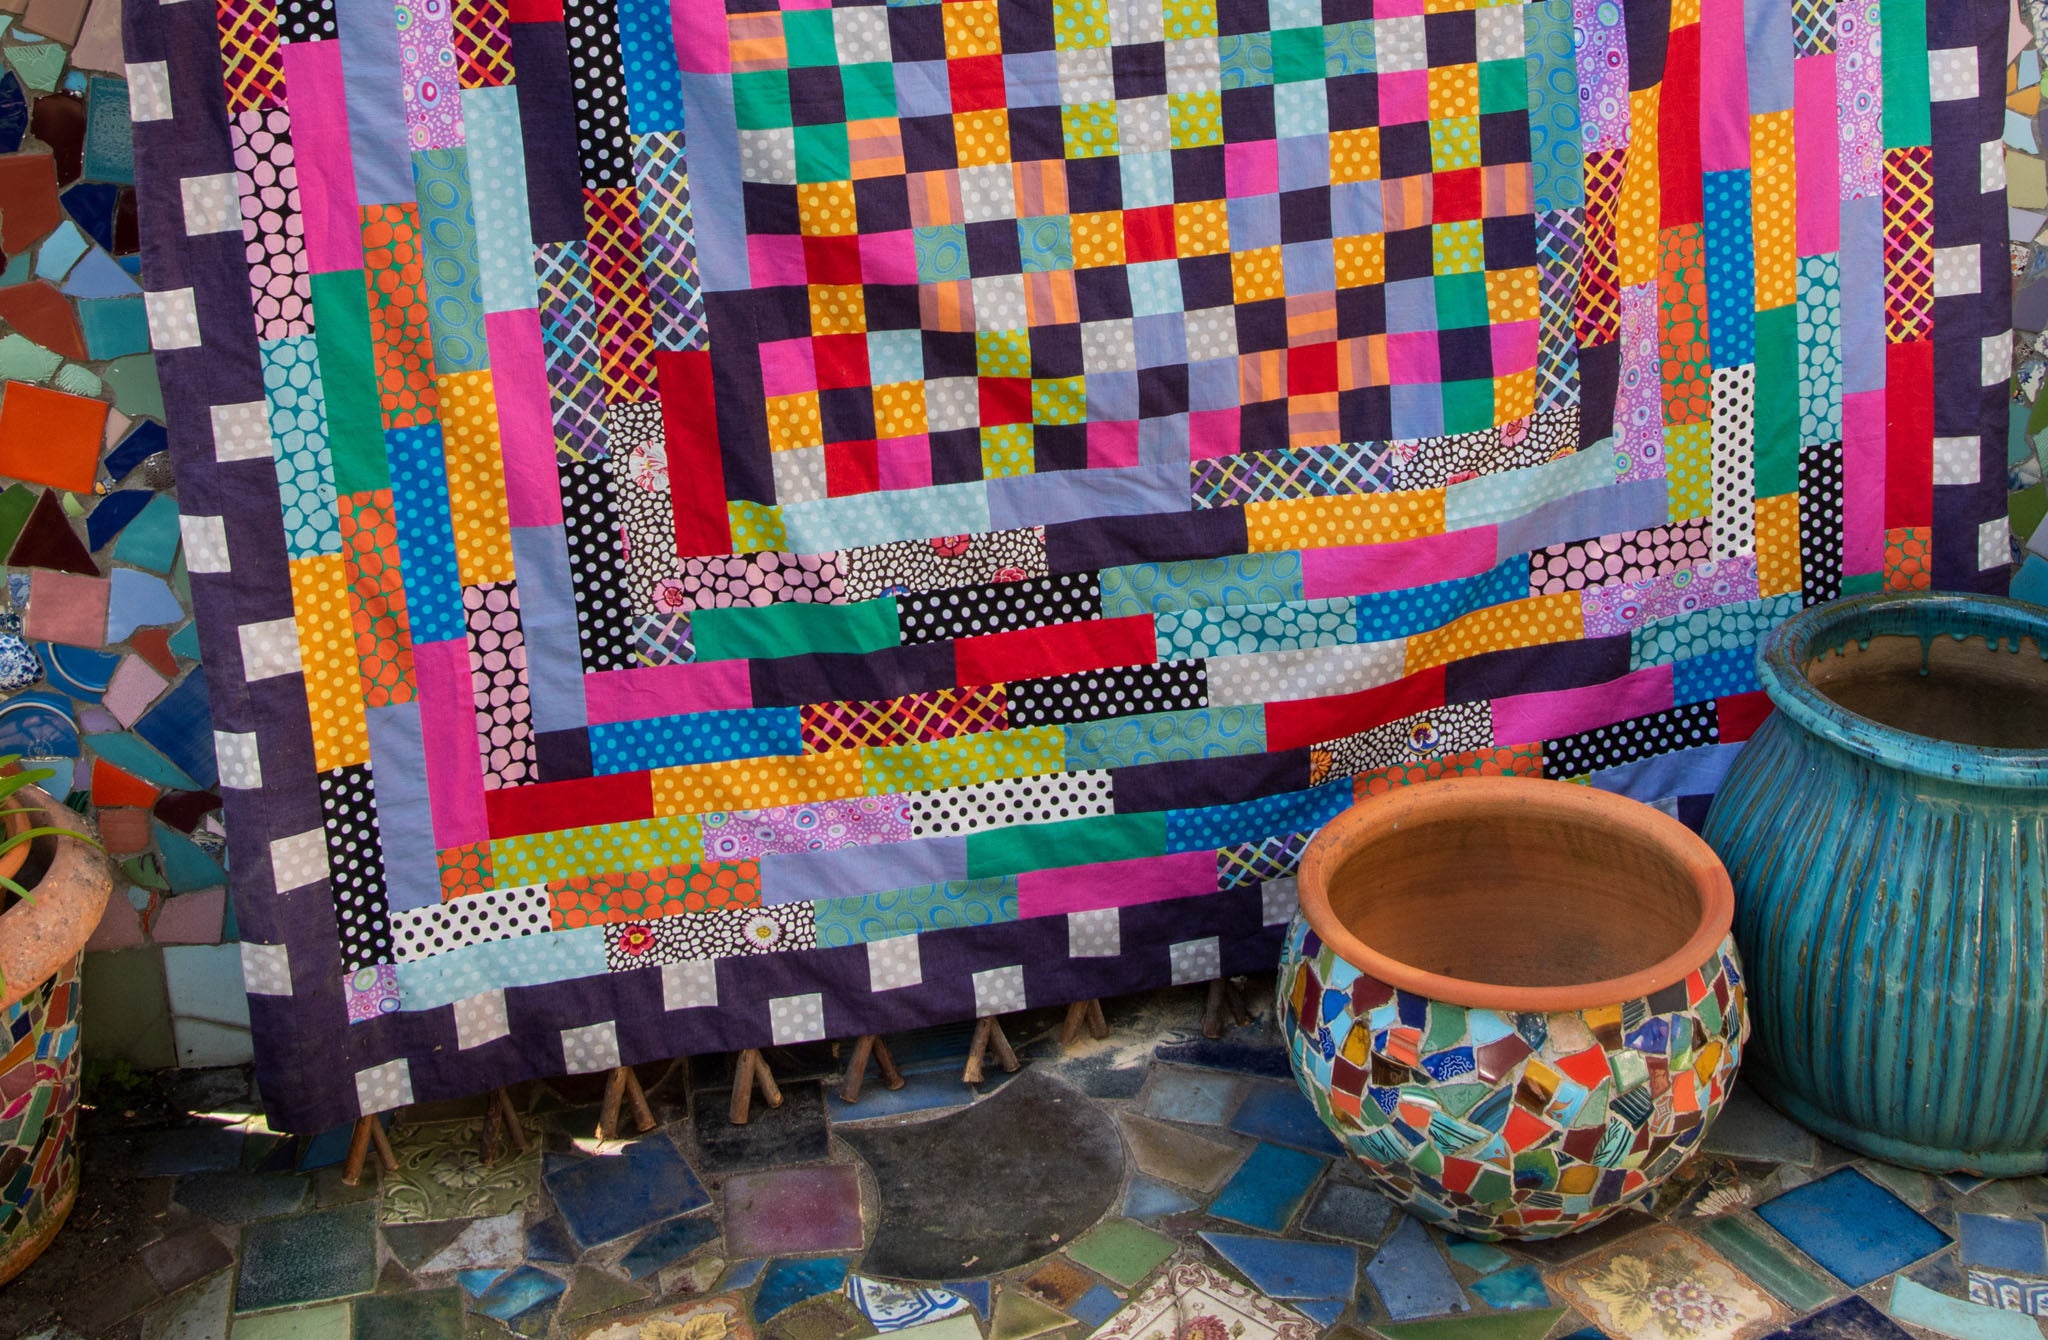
[
  {"x": 187, "y": 1255},
  {"x": 791, "y": 1211},
  {"x": 317, "y": 1256}
]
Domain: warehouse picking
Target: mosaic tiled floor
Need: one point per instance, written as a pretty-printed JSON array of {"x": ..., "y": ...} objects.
[{"x": 1153, "y": 1186}]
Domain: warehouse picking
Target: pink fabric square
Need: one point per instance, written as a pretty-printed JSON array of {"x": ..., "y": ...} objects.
[
  {"x": 1213, "y": 433},
  {"x": 1112, "y": 444},
  {"x": 888, "y": 258},
  {"x": 1411, "y": 358},
  {"x": 904, "y": 462},
  {"x": 1404, "y": 97},
  {"x": 787, "y": 367},
  {"x": 1397, "y": 9},
  {"x": 700, "y": 35},
  {"x": 526, "y": 426},
  {"x": 1514, "y": 347},
  {"x": 1251, "y": 168},
  {"x": 776, "y": 260}
]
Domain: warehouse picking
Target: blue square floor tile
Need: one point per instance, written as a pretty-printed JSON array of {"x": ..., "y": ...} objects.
[
  {"x": 1411, "y": 1276},
  {"x": 1852, "y": 1226}
]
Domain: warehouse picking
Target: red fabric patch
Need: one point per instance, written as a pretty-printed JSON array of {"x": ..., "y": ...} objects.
[
  {"x": 1306, "y": 721},
  {"x": 1005, "y": 400},
  {"x": 545, "y": 807},
  {"x": 1456, "y": 196},
  {"x": 977, "y": 83},
  {"x": 1061, "y": 649},
  {"x": 1148, "y": 234},
  {"x": 841, "y": 360},
  {"x": 851, "y": 467},
  {"x": 1741, "y": 714}
]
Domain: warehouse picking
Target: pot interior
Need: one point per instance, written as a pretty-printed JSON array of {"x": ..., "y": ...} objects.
[
  {"x": 1526, "y": 898},
  {"x": 1962, "y": 690}
]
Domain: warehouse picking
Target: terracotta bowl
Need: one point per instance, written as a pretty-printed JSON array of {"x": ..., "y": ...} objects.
[{"x": 1516, "y": 1002}]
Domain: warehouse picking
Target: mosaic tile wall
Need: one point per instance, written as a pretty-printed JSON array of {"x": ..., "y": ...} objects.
[{"x": 98, "y": 660}]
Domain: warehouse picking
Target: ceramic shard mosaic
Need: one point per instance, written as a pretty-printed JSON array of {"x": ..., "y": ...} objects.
[{"x": 719, "y": 523}]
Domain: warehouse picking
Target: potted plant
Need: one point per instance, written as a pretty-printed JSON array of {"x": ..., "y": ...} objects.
[
  {"x": 54, "y": 881},
  {"x": 1516, "y": 1002},
  {"x": 1887, "y": 832}
]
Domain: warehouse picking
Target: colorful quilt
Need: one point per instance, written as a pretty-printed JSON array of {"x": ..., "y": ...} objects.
[{"x": 719, "y": 522}]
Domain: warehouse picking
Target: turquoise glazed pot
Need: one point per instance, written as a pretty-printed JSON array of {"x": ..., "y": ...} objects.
[
  {"x": 1887, "y": 832},
  {"x": 1515, "y": 1002}
]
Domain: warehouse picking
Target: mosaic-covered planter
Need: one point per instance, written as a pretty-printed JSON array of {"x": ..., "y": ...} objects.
[
  {"x": 41, "y": 948},
  {"x": 1887, "y": 833},
  {"x": 1516, "y": 1002}
]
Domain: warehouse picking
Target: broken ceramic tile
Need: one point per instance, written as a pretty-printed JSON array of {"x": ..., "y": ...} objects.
[
  {"x": 1283, "y": 1269},
  {"x": 712, "y": 1319},
  {"x": 894, "y": 1307},
  {"x": 1181, "y": 1156},
  {"x": 1191, "y": 1299},
  {"x": 1661, "y": 1284},
  {"x": 1268, "y": 1188},
  {"x": 1411, "y": 1276},
  {"x": 668, "y": 1244},
  {"x": 787, "y": 1283},
  {"x": 609, "y": 1196},
  {"x": 1122, "y": 1251}
]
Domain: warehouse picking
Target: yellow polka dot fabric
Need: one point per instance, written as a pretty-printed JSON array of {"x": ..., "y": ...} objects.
[
  {"x": 1773, "y": 205},
  {"x": 1777, "y": 544},
  {"x": 899, "y": 409},
  {"x": 755, "y": 527},
  {"x": 1514, "y": 396},
  {"x": 1326, "y": 523},
  {"x": 1196, "y": 119},
  {"x": 1006, "y": 449},
  {"x": 972, "y": 28},
  {"x": 1098, "y": 239},
  {"x": 838, "y": 309},
  {"x": 639, "y": 845},
  {"x": 1512, "y": 295},
  {"x": 1519, "y": 623},
  {"x": 794, "y": 422},
  {"x": 1453, "y": 91},
  {"x": 1458, "y": 248},
  {"x": 1689, "y": 469},
  {"x": 757, "y": 783},
  {"x": 327, "y": 657},
  {"x": 1361, "y": 260},
  {"x": 476, "y": 477},
  {"x": 1636, "y": 213},
  {"x": 1355, "y": 154},
  {"x": 1090, "y": 129},
  {"x": 1255, "y": 275},
  {"x": 1201, "y": 228},
  {"x": 825, "y": 209},
  {"x": 982, "y": 138},
  {"x": 964, "y": 760}
]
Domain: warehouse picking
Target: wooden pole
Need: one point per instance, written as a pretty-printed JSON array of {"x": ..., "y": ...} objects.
[
  {"x": 866, "y": 1046},
  {"x": 988, "y": 1031},
  {"x": 1082, "y": 1013},
  {"x": 1225, "y": 1006},
  {"x": 368, "y": 1131},
  {"x": 752, "y": 1074}
]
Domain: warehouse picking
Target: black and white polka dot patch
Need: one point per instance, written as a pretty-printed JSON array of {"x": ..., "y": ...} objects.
[
  {"x": 1631, "y": 741},
  {"x": 497, "y": 914},
  {"x": 355, "y": 865},
  {"x": 597, "y": 573},
  {"x": 1820, "y": 522},
  {"x": 306, "y": 21},
  {"x": 972, "y": 611},
  {"x": 1012, "y": 800},
  {"x": 1128, "y": 691},
  {"x": 604, "y": 141}
]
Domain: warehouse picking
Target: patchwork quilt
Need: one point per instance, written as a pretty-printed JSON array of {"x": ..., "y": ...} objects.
[{"x": 719, "y": 522}]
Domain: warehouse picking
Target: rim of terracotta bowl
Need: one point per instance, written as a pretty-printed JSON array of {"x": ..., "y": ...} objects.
[
  {"x": 1476, "y": 799},
  {"x": 1782, "y": 656},
  {"x": 39, "y": 938}
]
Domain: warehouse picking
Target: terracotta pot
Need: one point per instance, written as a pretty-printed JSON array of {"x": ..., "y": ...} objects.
[
  {"x": 1887, "y": 833},
  {"x": 41, "y": 945},
  {"x": 1516, "y": 1002}
]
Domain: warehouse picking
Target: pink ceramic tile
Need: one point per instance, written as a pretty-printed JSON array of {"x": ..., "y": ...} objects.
[
  {"x": 120, "y": 926},
  {"x": 793, "y": 1210},
  {"x": 65, "y": 607},
  {"x": 132, "y": 689}
]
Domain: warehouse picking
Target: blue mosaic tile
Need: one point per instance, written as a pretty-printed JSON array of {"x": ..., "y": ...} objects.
[
  {"x": 549, "y": 1240},
  {"x": 519, "y": 1292},
  {"x": 1282, "y": 1116},
  {"x": 1918, "y": 1305},
  {"x": 668, "y": 1244},
  {"x": 1482, "y": 1258},
  {"x": 1853, "y": 1318},
  {"x": 1267, "y": 1189},
  {"x": 742, "y": 1275},
  {"x": 1149, "y": 1198},
  {"x": 608, "y": 1197},
  {"x": 1096, "y": 1306},
  {"x": 1411, "y": 1276},
  {"x": 1238, "y": 1058},
  {"x": 974, "y": 1291},
  {"x": 1354, "y": 1213},
  {"x": 2003, "y": 1244},
  {"x": 1855, "y": 1228},
  {"x": 1284, "y": 1269},
  {"x": 1190, "y": 1096},
  {"x": 1512, "y": 1289},
  {"x": 1323, "y": 1310},
  {"x": 787, "y": 1283}
]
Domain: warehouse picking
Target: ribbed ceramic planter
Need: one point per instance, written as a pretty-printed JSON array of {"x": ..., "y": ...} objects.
[
  {"x": 1887, "y": 833},
  {"x": 1516, "y": 1002},
  {"x": 41, "y": 945}
]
